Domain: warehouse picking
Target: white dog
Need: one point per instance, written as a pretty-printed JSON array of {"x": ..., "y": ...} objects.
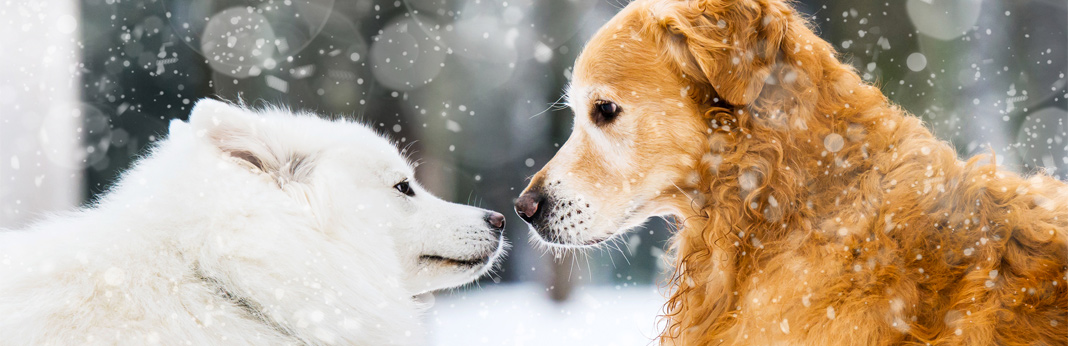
[{"x": 246, "y": 228}]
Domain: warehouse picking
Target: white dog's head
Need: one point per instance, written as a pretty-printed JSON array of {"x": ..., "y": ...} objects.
[{"x": 358, "y": 190}]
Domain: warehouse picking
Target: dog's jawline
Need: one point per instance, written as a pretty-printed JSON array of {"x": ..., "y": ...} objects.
[
  {"x": 457, "y": 262},
  {"x": 587, "y": 245}
]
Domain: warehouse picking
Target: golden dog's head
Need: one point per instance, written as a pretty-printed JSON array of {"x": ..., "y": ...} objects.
[{"x": 649, "y": 93}]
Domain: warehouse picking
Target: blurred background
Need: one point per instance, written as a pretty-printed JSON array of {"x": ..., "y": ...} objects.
[{"x": 468, "y": 86}]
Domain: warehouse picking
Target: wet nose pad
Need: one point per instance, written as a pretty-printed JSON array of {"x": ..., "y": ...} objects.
[
  {"x": 527, "y": 205},
  {"x": 496, "y": 220}
]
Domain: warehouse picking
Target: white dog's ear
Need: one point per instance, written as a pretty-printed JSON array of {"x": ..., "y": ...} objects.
[{"x": 248, "y": 138}]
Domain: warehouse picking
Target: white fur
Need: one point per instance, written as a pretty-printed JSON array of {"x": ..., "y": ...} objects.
[{"x": 324, "y": 245}]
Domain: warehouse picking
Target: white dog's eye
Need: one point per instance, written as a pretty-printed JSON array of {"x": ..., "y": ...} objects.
[
  {"x": 604, "y": 112},
  {"x": 404, "y": 188}
]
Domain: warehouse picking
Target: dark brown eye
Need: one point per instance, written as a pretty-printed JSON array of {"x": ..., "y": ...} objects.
[
  {"x": 404, "y": 188},
  {"x": 604, "y": 112}
]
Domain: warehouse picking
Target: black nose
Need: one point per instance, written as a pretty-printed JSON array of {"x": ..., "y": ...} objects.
[
  {"x": 495, "y": 219},
  {"x": 527, "y": 205}
]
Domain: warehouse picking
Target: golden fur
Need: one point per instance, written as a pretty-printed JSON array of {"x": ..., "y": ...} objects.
[{"x": 811, "y": 210}]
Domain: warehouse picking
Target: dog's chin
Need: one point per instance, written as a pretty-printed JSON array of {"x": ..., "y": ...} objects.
[
  {"x": 476, "y": 265},
  {"x": 551, "y": 238},
  {"x": 462, "y": 263},
  {"x": 448, "y": 272}
]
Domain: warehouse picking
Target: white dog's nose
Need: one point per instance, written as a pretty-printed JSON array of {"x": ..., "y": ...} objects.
[{"x": 496, "y": 220}]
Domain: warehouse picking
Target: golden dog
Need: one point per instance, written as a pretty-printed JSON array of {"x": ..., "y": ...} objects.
[{"x": 811, "y": 210}]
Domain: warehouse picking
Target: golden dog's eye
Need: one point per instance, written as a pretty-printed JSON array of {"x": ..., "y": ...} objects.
[
  {"x": 604, "y": 112},
  {"x": 404, "y": 188}
]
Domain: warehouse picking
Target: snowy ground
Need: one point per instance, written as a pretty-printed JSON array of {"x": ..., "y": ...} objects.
[{"x": 523, "y": 315}]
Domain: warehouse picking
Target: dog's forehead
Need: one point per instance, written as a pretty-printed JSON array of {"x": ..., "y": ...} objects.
[
  {"x": 372, "y": 148},
  {"x": 622, "y": 53}
]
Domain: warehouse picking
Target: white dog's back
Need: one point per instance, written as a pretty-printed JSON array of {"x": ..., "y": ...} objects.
[{"x": 69, "y": 281}]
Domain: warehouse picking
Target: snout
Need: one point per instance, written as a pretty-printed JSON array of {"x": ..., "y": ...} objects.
[
  {"x": 557, "y": 220},
  {"x": 468, "y": 250},
  {"x": 535, "y": 207},
  {"x": 495, "y": 224}
]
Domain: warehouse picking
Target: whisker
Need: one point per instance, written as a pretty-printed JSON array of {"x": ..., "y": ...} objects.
[
  {"x": 553, "y": 104},
  {"x": 609, "y": 252},
  {"x": 621, "y": 251},
  {"x": 589, "y": 269}
]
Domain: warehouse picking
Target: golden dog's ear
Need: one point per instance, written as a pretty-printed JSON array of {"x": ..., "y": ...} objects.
[{"x": 733, "y": 45}]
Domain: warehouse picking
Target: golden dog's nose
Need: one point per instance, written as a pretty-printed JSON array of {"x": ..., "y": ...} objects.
[{"x": 527, "y": 205}]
